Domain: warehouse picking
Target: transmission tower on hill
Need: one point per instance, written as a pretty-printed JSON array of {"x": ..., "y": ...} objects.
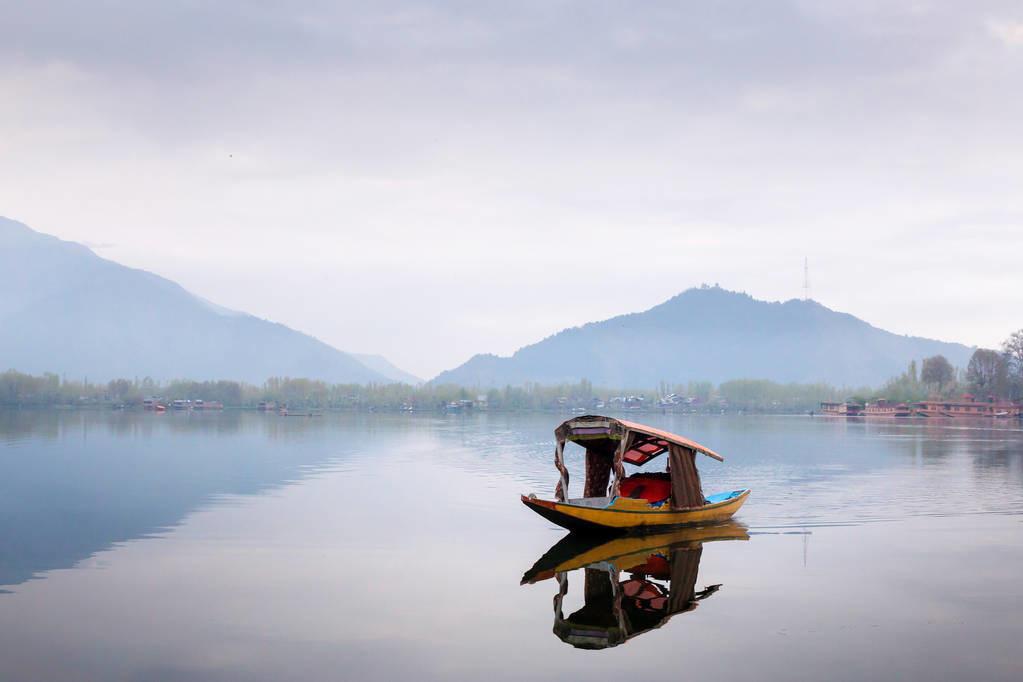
[{"x": 806, "y": 279}]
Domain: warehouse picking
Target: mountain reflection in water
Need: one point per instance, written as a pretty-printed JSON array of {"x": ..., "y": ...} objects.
[{"x": 631, "y": 584}]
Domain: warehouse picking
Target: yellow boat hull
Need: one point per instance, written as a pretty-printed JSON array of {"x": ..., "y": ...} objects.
[{"x": 625, "y": 515}]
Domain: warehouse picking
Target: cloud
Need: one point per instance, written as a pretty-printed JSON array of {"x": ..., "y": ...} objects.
[
  {"x": 388, "y": 154},
  {"x": 1010, "y": 33}
]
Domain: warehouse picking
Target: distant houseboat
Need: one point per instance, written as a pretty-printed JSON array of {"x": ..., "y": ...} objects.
[
  {"x": 845, "y": 409},
  {"x": 886, "y": 408},
  {"x": 967, "y": 406},
  {"x": 267, "y": 406}
]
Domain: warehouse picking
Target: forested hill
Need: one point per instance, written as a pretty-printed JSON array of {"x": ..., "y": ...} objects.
[
  {"x": 378, "y": 363},
  {"x": 715, "y": 335},
  {"x": 65, "y": 310}
]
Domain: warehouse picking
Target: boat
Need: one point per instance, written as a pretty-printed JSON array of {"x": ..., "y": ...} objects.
[
  {"x": 846, "y": 409},
  {"x": 885, "y": 408},
  {"x": 643, "y": 501},
  {"x": 632, "y": 584},
  {"x": 966, "y": 407}
]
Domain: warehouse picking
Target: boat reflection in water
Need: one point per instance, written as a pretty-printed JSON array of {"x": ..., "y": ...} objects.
[{"x": 631, "y": 584}]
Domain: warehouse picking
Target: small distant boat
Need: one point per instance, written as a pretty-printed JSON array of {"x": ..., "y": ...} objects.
[
  {"x": 640, "y": 502},
  {"x": 459, "y": 406}
]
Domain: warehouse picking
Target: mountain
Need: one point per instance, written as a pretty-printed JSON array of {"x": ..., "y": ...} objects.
[
  {"x": 715, "y": 335},
  {"x": 63, "y": 309},
  {"x": 380, "y": 364}
]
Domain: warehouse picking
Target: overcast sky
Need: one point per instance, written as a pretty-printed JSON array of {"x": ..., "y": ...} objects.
[{"x": 433, "y": 180}]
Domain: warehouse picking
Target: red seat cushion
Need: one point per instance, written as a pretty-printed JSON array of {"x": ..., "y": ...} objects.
[{"x": 649, "y": 487}]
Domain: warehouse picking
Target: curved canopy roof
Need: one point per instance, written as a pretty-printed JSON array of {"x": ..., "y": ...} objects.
[{"x": 646, "y": 443}]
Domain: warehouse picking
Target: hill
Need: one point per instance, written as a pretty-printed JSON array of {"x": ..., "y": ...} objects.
[
  {"x": 63, "y": 309},
  {"x": 380, "y": 364},
  {"x": 715, "y": 335}
]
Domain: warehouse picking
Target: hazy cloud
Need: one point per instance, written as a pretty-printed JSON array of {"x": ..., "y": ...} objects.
[
  {"x": 432, "y": 180},
  {"x": 1009, "y": 32}
]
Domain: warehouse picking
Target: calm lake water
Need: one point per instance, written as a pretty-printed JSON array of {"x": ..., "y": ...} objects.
[{"x": 255, "y": 547}]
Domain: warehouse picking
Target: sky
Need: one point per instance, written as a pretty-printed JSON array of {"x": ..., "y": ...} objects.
[{"x": 433, "y": 180}]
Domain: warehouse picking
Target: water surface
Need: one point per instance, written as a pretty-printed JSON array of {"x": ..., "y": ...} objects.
[{"x": 246, "y": 546}]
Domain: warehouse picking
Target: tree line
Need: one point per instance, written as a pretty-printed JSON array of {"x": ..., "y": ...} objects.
[
  {"x": 988, "y": 374},
  {"x": 997, "y": 373},
  {"x": 26, "y": 390}
]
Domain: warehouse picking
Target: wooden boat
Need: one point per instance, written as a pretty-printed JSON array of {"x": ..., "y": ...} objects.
[
  {"x": 967, "y": 407},
  {"x": 846, "y": 409},
  {"x": 641, "y": 502},
  {"x": 633, "y": 584},
  {"x": 884, "y": 408}
]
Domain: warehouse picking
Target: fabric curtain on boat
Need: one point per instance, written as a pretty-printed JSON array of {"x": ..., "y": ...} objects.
[
  {"x": 598, "y": 472},
  {"x": 686, "y": 492},
  {"x": 617, "y": 466},
  {"x": 561, "y": 490}
]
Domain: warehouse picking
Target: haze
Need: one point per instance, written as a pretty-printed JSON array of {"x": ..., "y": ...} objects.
[{"x": 432, "y": 181}]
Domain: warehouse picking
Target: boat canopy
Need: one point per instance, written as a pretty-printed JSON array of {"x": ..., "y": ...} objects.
[{"x": 609, "y": 442}]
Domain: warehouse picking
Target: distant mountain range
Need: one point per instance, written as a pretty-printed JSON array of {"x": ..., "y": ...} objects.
[
  {"x": 715, "y": 335},
  {"x": 63, "y": 309},
  {"x": 381, "y": 365}
]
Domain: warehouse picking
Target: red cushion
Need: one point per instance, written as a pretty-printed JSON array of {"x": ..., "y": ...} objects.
[{"x": 649, "y": 487}]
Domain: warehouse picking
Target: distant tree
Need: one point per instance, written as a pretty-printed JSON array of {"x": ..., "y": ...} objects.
[
  {"x": 120, "y": 389},
  {"x": 937, "y": 371},
  {"x": 904, "y": 388},
  {"x": 1012, "y": 349},
  {"x": 987, "y": 373},
  {"x": 700, "y": 389}
]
